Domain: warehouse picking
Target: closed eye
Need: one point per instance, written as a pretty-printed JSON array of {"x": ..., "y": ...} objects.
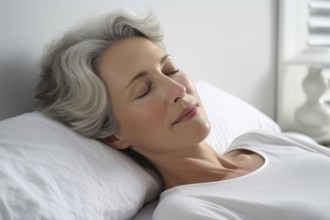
[
  {"x": 170, "y": 69},
  {"x": 172, "y": 72},
  {"x": 145, "y": 91}
]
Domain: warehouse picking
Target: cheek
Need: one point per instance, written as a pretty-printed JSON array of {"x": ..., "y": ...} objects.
[{"x": 141, "y": 117}]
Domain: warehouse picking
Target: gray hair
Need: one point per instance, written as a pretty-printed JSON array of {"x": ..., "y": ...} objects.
[{"x": 70, "y": 89}]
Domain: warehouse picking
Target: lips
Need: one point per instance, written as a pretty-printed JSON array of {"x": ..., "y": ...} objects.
[{"x": 186, "y": 114}]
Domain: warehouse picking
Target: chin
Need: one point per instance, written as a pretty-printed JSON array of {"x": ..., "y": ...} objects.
[
  {"x": 205, "y": 123},
  {"x": 201, "y": 131},
  {"x": 207, "y": 129}
]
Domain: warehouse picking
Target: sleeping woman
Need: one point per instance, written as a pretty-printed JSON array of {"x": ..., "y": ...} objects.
[{"x": 113, "y": 80}]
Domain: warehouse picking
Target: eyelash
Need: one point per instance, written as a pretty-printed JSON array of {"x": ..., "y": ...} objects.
[
  {"x": 149, "y": 87},
  {"x": 150, "y": 84},
  {"x": 172, "y": 73}
]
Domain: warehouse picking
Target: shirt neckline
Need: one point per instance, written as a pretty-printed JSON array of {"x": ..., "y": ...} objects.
[{"x": 226, "y": 181}]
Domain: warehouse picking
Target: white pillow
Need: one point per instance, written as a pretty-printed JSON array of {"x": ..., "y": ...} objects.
[
  {"x": 230, "y": 116},
  {"x": 47, "y": 171}
]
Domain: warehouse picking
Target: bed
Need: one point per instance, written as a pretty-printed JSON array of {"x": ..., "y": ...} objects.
[{"x": 47, "y": 171}]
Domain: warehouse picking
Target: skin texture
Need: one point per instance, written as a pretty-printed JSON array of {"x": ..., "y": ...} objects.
[{"x": 161, "y": 116}]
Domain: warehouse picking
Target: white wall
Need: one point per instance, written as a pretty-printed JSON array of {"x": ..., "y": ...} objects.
[{"x": 230, "y": 43}]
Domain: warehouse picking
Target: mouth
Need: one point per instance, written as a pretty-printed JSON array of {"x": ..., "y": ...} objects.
[{"x": 187, "y": 114}]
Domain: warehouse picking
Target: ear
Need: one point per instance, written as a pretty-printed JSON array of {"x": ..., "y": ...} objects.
[{"x": 115, "y": 142}]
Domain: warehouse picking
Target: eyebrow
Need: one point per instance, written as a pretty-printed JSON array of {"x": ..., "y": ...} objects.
[{"x": 144, "y": 73}]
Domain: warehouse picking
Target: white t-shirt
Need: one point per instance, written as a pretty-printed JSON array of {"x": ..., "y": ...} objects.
[{"x": 292, "y": 184}]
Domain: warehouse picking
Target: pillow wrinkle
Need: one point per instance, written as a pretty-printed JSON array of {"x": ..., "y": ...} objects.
[{"x": 51, "y": 172}]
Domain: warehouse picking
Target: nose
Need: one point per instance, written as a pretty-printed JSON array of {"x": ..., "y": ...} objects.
[{"x": 175, "y": 90}]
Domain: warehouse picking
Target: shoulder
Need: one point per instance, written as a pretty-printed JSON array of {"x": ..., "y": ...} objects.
[
  {"x": 268, "y": 139},
  {"x": 264, "y": 137},
  {"x": 272, "y": 137},
  {"x": 192, "y": 208}
]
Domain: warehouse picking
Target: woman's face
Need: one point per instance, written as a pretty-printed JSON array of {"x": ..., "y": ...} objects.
[{"x": 155, "y": 103}]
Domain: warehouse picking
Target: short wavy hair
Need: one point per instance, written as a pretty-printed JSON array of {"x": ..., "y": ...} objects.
[{"x": 70, "y": 89}]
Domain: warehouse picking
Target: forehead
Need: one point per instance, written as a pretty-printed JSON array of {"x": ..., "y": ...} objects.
[
  {"x": 129, "y": 55},
  {"x": 125, "y": 58}
]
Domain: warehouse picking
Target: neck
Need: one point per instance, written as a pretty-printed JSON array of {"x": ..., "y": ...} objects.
[{"x": 200, "y": 164}]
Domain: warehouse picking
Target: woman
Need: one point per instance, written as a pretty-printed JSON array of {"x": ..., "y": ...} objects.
[{"x": 112, "y": 79}]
